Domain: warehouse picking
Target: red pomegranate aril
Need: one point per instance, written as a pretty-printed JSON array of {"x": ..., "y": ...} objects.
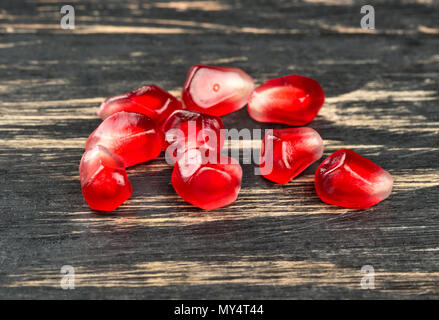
[
  {"x": 149, "y": 100},
  {"x": 204, "y": 184},
  {"x": 185, "y": 130},
  {"x": 216, "y": 90},
  {"x": 132, "y": 136},
  {"x": 346, "y": 179},
  {"x": 285, "y": 153},
  {"x": 294, "y": 100},
  {"x": 104, "y": 181}
]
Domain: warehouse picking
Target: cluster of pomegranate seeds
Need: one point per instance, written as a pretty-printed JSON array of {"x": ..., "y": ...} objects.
[
  {"x": 138, "y": 125},
  {"x": 216, "y": 90},
  {"x": 285, "y": 153},
  {"x": 292, "y": 100},
  {"x": 349, "y": 180},
  {"x": 132, "y": 136},
  {"x": 186, "y": 130},
  {"x": 104, "y": 180},
  {"x": 207, "y": 185},
  {"x": 149, "y": 100}
]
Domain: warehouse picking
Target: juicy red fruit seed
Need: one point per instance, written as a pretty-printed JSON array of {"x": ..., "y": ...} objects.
[
  {"x": 294, "y": 100},
  {"x": 185, "y": 130},
  {"x": 207, "y": 185},
  {"x": 285, "y": 153},
  {"x": 349, "y": 180},
  {"x": 132, "y": 136},
  {"x": 216, "y": 90},
  {"x": 104, "y": 181},
  {"x": 149, "y": 100}
]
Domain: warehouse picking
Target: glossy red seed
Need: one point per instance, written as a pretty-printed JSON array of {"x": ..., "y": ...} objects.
[
  {"x": 216, "y": 90},
  {"x": 186, "y": 130},
  {"x": 292, "y": 100},
  {"x": 104, "y": 181},
  {"x": 205, "y": 184},
  {"x": 149, "y": 100},
  {"x": 349, "y": 180},
  {"x": 285, "y": 153},
  {"x": 132, "y": 136}
]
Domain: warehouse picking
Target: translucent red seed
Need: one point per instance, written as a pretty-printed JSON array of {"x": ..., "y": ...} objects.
[
  {"x": 294, "y": 100},
  {"x": 132, "y": 136},
  {"x": 138, "y": 124},
  {"x": 149, "y": 100},
  {"x": 185, "y": 130},
  {"x": 104, "y": 181},
  {"x": 216, "y": 90},
  {"x": 285, "y": 153},
  {"x": 349, "y": 180},
  {"x": 205, "y": 184}
]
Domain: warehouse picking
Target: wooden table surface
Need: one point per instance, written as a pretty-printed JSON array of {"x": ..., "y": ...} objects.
[{"x": 275, "y": 241}]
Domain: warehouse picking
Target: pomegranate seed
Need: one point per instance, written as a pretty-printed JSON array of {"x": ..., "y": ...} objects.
[
  {"x": 132, "y": 136},
  {"x": 186, "y": 130},
  {"x": 204, "y": 184},
  {"x": 292, "y": 100},
  {"x": 216, "y": 90},
  {"x": 149, "y": 100},
  {"x": 104, "y": 180},
  {"x": 349, "y": 180},
  {"x": 287, "y": 152}
]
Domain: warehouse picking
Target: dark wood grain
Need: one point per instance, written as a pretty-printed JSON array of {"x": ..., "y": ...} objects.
[{"x": 274, "y": 241}]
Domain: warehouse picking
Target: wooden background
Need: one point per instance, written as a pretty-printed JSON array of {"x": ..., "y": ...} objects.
[{"x": 274, "y": 241}]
